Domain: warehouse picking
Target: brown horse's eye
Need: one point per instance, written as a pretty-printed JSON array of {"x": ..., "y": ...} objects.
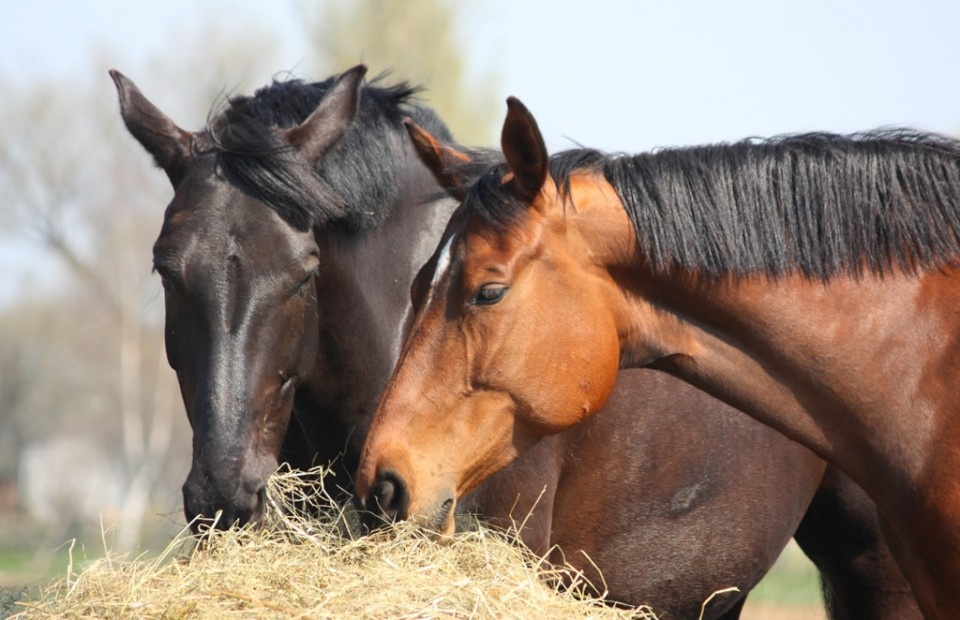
[{"x": 489, "y": 294}]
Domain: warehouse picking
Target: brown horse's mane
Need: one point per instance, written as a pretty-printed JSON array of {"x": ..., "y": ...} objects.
[
  {"x": 243, "y": 136},
  {"x": 819, "y": 204}
]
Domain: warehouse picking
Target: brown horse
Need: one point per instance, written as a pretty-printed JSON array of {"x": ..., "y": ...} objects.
[
  {"x": 809, "y": 281},
  {"x": 702, "y": 468}
]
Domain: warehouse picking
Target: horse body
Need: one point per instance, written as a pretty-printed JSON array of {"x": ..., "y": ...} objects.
[
  {"x": 286, "y": 257},
  {"x": 872, "y": 396},
  {"x": 824, "y": 310}
]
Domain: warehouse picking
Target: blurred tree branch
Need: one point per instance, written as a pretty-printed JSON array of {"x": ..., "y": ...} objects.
[
  {"x": 77, "y": 185},
  {"x": 44, "y": 175},
  {"x": 414, "y": 40}
]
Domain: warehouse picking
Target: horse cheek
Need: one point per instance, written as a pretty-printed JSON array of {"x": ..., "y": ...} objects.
[{"x": 599, "y": 376}]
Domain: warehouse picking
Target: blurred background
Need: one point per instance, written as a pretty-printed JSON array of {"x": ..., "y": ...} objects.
[{"x": 94, "y": 443}]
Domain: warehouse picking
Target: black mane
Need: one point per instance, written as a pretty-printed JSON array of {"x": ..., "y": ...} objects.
[
  {"x": 819, "y": 204},
  {"x": 355, "y": 182}
]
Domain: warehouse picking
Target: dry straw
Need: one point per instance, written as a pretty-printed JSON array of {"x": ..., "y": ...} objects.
[{"x": 299, "y": 567}]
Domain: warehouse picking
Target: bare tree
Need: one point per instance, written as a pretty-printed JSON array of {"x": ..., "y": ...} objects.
[
  {"x": 79, "y": 187},
  {"x": 68, "y": 191},
  {"x": 416, "y": 40}
]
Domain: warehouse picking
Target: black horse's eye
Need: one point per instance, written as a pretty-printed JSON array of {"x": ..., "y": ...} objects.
[
  {"x": 489, "y": 294},
  {"x": 301, "y": 288},
  {"x": 165, "y": 278}
]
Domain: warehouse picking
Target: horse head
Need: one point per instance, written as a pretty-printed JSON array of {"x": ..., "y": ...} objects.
[{"x": 240, "y": 290}]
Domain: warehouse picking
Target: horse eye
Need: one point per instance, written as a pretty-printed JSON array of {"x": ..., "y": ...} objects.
[
  {"x": 489, "y": 294},
  {"x": 301, "y": 289},
  {"x": 165, "y": 279}
]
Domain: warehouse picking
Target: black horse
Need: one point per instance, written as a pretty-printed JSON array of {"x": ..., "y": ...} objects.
[
  {"x": 285, "y": 257},
  {"x": 299, "y": 219}
]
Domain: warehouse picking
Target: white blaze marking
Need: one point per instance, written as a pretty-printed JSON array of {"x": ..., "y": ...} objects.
[{"x": 443, "y": 263}]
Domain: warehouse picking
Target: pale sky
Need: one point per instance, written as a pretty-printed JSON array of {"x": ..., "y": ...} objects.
[{"x": 620, "y": 76}]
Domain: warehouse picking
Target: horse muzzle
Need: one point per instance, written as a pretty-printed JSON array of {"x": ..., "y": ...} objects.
[
  {"x": 388, "y": 499},
  {"x": 214, "y": 504}
]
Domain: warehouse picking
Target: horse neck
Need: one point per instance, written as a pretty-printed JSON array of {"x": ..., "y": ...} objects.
[
  {"x": 810, "y": 358},
  {"x": 364, "y": 295},
  {"x": 602, "y": 222}
]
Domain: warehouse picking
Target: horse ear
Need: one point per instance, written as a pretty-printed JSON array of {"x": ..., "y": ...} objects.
[
  {"x": 168, "y": 143},
  {"x": 445, "y": 162},
  {"x": 524, "y": 150},
  {"x": 327, "y": 124}
]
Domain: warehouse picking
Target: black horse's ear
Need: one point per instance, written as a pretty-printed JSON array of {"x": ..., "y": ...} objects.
[
  {"x": 332, "y": 117},
  {"x": 444, "y": 161},
  {"x": 524, "y": 150},
  {"x": 168, "y": 143}
]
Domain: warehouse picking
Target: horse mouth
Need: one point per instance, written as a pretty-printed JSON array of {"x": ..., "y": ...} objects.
[{"x": 211, "y": 517}]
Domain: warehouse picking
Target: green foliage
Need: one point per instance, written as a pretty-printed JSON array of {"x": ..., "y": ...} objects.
[
  {"x": 793, "y": 580},
  {"x": 415, "y": 40}
]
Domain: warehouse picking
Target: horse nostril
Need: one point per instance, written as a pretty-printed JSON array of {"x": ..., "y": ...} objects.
[
  {"x": 259, "y": 506},
  {"x": 440, "y": 519},
  {"x": 389, "y": 495}
]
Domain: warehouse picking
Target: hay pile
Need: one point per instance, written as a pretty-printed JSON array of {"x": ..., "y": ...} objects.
[{"x": 310, "y": 568}]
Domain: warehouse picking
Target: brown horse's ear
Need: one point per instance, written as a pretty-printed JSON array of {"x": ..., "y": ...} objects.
[
  {"x": 524, "y": 150},
  {"x": 168, "y": 143},
  {"x": 327, "y": 124},
  {"x": 445, "y": 162}
]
